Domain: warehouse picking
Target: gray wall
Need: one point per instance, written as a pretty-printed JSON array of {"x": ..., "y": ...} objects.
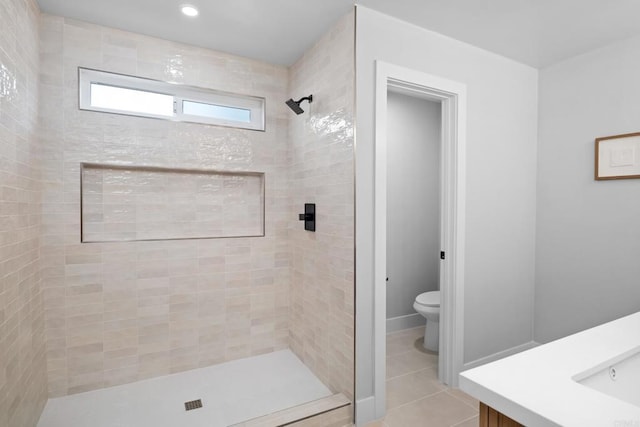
[
  {"x": 413, "y": 200},
  {"x": 588, "y": 232},
  {"x": 500, "y": 182}
]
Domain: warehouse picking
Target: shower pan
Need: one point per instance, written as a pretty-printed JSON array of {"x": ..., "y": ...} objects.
[{"x": 243, "y": 392}]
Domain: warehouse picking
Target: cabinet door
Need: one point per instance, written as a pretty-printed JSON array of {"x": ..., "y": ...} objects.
[{"x": 489, "y": 417}]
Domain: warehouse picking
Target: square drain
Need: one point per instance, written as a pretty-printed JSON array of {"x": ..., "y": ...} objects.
[{"x": 194, "y": 404}]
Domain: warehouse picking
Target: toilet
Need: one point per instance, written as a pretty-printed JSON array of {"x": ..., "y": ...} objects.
[{"x": 428, "y": 305}]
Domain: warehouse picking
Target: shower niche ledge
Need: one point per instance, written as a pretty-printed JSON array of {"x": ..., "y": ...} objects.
[{"x": 122, "y": 203}]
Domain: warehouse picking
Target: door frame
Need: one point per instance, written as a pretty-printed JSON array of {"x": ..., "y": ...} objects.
[{"x": 453, "y": 98}]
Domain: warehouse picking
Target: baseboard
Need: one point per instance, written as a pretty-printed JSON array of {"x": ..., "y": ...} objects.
[
  {"x": 409, "y": 321},
  {"x": 499, "y": 355},
  {"x": 365, "y": 411}
]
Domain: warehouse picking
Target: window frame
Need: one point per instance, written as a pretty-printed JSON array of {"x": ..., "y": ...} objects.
[{"x": 256, "y": 105}]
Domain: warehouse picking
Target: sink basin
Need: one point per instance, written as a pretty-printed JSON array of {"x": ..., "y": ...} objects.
[{"x": 618, "y": 377}]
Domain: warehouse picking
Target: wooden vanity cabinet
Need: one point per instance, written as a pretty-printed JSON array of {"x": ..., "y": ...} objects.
[{"x": 489, "y": 417}]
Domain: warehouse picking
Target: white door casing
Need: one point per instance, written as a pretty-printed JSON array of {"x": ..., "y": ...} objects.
[{"x": 452, "y": 96}]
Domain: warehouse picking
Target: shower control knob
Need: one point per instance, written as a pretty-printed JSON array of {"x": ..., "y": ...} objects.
[{"x": 309, "y": 216}]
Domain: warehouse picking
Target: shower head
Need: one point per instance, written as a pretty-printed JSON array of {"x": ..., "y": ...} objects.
[{"x": 295, "y": 105}]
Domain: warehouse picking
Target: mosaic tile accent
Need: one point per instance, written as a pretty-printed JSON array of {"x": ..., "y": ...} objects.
[
  {"x": 23, "y": 377},
  {"x": 123, "y": 203}
]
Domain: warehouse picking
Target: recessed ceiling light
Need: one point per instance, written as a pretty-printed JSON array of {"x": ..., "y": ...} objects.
[{"x": 189, "y": 10}]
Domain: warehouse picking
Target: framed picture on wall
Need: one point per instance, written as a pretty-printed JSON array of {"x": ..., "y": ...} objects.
[{"x": 618, "y": 157}]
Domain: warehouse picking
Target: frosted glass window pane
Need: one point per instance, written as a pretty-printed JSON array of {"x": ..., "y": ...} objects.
[
  {"x": 137, "y": 96},
  {"x": 136, "y": 101},
  {"x": 216, "y": 111}
]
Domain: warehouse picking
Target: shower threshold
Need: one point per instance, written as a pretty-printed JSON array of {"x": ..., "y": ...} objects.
[
  {"x": 301, "y": 412},
  {"x": 258, "y": 390}
]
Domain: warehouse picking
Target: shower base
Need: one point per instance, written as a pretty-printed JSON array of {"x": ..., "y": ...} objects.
[{"x": 231, "y": 393}]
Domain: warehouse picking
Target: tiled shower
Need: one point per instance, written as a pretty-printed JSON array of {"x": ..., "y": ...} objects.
[{"x": 78, "y": 316}]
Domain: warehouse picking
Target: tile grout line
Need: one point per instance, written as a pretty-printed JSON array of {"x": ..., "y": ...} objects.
[
  {"x": 405, "y": 331},
  {"x": 409, "y": 373},
  {"x": 462, "y": 400},
  {"x": 405, "y": 352},
  {"x": 414, "y": 372},
  {"x": 416, "y": 400},
  {"x": 464, "y": 421}
]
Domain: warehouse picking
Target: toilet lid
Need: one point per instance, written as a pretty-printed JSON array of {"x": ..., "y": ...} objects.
[{"x": 429, "y": 299}]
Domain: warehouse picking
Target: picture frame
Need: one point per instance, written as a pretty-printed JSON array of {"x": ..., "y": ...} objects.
[{"x": 617, "y": 157}]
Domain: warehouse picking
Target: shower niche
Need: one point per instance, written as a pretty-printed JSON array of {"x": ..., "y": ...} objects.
[{"x": 141, "y": 203}]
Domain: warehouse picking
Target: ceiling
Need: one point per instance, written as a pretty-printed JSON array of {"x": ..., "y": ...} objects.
[
  {"x": 275, "y": 31},
  {"x": 535, "y": 32}
]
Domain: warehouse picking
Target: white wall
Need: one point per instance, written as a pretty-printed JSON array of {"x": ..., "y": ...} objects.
[
  {"x": 501, "y": 168},
  {"x": 413, "y": 201},
  {"x": 588, "y": 238}
]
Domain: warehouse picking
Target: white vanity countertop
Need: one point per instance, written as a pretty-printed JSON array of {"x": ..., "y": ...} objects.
[{"x": 536, "y": 388}]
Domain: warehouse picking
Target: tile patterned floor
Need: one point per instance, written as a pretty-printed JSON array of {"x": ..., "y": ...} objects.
[{"x": 415, "y": 398}]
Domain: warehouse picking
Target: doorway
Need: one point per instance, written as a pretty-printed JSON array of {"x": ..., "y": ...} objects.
[
  {"x": 452, "y": 98},
  {"x": 413, "y": 206}
]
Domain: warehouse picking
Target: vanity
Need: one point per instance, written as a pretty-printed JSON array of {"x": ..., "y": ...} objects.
[
  {"x": 591, "y": 378},
  {"x": 489, "y": 417}
]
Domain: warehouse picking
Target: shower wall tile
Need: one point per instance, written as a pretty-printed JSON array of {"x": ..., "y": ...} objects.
[
  {"x": 125, "y": 204},
  {"x": 122, "y": 311},
  {"x": 23, "y": 374},
  {"x": 322, "y": 172}
]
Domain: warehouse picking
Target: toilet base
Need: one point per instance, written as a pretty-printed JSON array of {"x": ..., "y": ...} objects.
[{"x": 432, "y": 336}]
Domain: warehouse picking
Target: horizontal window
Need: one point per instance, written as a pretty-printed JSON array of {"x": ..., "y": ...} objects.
[
  {"x": 200, "y": 109},
  {"x": 137, "y": 96},
  {"x": 130, "y": 100}
]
